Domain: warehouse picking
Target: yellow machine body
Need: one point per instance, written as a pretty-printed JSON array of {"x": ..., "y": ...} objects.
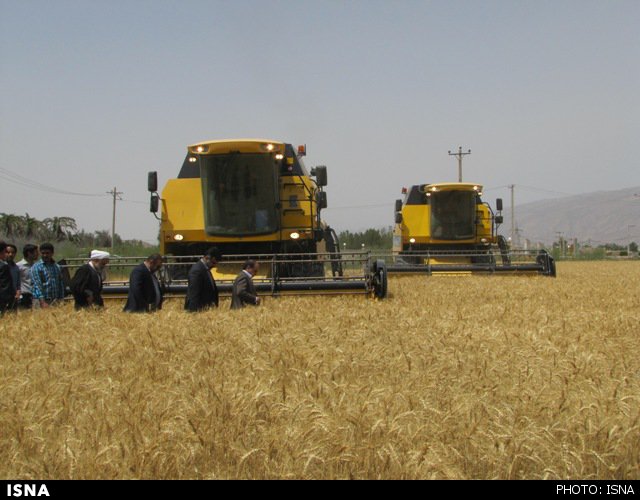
[
  {"x": 444, "y": 215},
  {"x": 245, "y": 197},
  {"x": 447, "y": 229}
]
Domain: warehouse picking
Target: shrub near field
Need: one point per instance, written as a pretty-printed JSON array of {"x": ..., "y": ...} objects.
[{"x": 451, "y": 377}]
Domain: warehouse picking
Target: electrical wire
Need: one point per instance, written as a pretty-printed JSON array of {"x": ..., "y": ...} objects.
[
  {"x": 387, "y": 205},
  {"x": 532, "y": 188},
  {"x": 135, "y": 201},
  {"x": 20, "y": 180}
]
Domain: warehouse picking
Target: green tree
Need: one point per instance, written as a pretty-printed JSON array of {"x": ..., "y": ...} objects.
[
  {"x": 378, "y": 239},
  {"x": 11, "y": 225},
  {"x": 61, "y": 228},
  {"x": 102, "y": 238},
  {"x": 31, "y": 227}
]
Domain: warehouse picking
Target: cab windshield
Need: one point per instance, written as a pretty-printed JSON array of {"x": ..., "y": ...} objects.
[
  {"x": 453, "y": 215},
  {"x": 239, "y": 193}
]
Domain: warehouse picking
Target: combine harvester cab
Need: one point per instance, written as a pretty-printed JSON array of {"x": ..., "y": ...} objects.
[
  {"x": 254, "y": 198},
  {"x": 447, "y": 228}
]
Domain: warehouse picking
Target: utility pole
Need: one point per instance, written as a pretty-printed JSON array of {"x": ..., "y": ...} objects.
[
  {"x": 459, "y": 154},
  {"x": 516, "y": 243},
  {"x": 513, "y": 215},
  {"x": 561, "y": 242},
  {"x": 116, "y": 196}
]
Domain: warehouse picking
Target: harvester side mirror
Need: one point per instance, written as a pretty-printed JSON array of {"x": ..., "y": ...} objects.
[
  {"x": 398, "y": 217},
  {"x": 499, "y": 204},
  {"x": 153, "y": 203},
  {"x": 398, "y": 205},
  {"x": 499, "y": 219},
  {"x": 152, "y": 182},
  {"x": 321, "y": 175},
  {"x": 322, "y": 199}
]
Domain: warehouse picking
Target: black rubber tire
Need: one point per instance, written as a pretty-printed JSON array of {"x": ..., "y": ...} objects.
[{"x": 380, "y": 279}]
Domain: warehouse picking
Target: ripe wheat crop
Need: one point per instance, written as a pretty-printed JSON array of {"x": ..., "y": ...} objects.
[{"x": 451, "y": 377}]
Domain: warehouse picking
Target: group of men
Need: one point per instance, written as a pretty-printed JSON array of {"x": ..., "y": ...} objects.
[
  {"x": 31, "y": 282},
  {"x": 145, "y": 292},
  {"x": 202, "y": 292},
  {"x": 37, "y": 282}
]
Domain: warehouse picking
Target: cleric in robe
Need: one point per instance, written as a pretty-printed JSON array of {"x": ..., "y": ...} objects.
[{"x": 86, "y": 284}]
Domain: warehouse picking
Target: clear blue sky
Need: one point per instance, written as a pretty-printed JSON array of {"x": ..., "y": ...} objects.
[{"x": 94, "y": 94}]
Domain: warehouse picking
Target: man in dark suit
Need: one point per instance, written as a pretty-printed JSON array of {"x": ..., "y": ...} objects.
[
  {"x": 86, "y": 284},
  {"x": 202, "y": 292},
  {"x": 10, "y": 260},
  {"x": 144, "y": 289},
  {"x": 244, "y": 291},
  {"x": 7, "y": 288}
]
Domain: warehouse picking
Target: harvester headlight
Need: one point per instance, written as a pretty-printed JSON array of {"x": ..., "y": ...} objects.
[
  {"x": 193, "y": 159},
  {"x": 279, "y": 156},
  {"x": 269, "y": 147},
  {"x": 412, "y": 240},
  {"x": 434, "y": 189},
  {"x": 475, "y": 188},
  {"x": 202, "y": 149},
  {"x": 178, "y": 237},
  {"x": 294, "y": 236},
  {"x": 483, "y": 240}
]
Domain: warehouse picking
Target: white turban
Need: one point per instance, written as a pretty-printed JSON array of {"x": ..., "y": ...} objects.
[{"x": 99, "y": 255}]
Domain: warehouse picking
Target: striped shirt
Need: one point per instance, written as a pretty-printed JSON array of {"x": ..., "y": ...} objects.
[{"x": 47, "y": 281}]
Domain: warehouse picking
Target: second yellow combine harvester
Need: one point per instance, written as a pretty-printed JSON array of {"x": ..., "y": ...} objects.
[{"x": 447, "y": 228}]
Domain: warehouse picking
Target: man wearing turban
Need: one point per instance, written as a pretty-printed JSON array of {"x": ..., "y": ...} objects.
[{"x": 86, "y": 284}]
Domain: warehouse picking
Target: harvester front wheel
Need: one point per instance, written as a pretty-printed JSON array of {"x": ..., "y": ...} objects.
[{"x": 379, "y": 279}]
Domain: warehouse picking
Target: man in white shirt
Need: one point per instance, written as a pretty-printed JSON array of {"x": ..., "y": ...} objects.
[{"x": 31, "y": 254}]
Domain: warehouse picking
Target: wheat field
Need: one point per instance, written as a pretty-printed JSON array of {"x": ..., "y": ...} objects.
[{"x": 451, "y": 377}]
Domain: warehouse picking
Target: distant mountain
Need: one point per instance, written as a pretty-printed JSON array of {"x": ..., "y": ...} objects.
[{"x": 599, "y": 217}]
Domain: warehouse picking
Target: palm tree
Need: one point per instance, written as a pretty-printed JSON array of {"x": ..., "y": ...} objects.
[
  {"x": 61, "y": 227},
  {"x": 11, "y": 225},
  {"x": 31, "y": 227}
]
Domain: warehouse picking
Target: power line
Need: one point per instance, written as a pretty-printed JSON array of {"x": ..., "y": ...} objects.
[
  {"x": 387, "y": 205},
  {"x": 9, "y": 176},
  {"x": 532, "y": 188}
]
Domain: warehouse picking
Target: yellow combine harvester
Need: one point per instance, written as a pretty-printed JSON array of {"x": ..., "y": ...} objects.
[
  {"x": 255, "y": 198},
  {"x": 447, "y": 228}
]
